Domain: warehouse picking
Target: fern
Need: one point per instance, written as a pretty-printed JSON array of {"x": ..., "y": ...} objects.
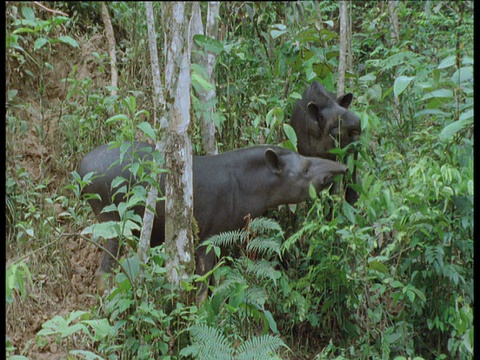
[
  {"x": 292, "y": 240},
  {"x": 263, "y": 269},
  {"x": 262, "y": 225},
  {"x": 257, "y": 295},
  {"x": 264, "y": 246},
  {"x": 209, "y": 343},
  {"x": 259, "y": 348},
  {"x": 228, "y": 238},
  {"x": 233, "y": 278}
]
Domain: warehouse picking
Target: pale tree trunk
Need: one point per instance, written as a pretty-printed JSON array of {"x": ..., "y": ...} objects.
[
  {"x": 394, "y": 38},
  {"x": 178, "y": 154},
  {"x": 342, "y": 64},
  {"x": 393, "y": 12},
  {"x": 111, "y": 48},
  {"x": 207, "y": 124},
  {"x": 160, "y": 122},
  {"x": 349, "y": 43}
]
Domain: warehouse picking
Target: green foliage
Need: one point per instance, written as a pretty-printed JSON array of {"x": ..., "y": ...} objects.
[
  {"x": 17, "y": 277},
  {"x": 391, "y": 277},
  {"x": 210, "y": 343},
  {"x": 241, "y": 297}
]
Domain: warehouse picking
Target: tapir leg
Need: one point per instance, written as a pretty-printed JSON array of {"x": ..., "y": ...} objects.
[
  {"x": 205, "y": 263},
  {"x": 112, "y": 246},
  {"x": 106, "y": 264}
]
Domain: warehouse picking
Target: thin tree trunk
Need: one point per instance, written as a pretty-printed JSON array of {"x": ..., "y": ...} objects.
[
  {"x": 207, "y": 124},
  {"x": 343, "y": 47},
  {"x": 111, "y": 48},
  {"x": 349, "y": 45},
  {"x": 394, "y": 38},
  {"x": 160, "y": 122},
  {"x": 179, "y": 181},
  {"x": 393, "y": 12}
]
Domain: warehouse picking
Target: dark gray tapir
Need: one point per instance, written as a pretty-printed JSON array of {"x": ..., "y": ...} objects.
[
  {"x": 323, "y": 122},
  {"x": 226, "y": 188}
]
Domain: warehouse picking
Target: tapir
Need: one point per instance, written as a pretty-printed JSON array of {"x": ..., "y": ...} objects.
[
  {"x": 322, "y": 122},
  {"x": 226, "y": 188}
]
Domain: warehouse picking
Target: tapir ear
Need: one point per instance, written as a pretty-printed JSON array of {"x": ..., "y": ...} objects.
[
  {"x": 345, "y": 100},
  {"x": 272, "y": 161},
  {"x": 312, "y": 111}
]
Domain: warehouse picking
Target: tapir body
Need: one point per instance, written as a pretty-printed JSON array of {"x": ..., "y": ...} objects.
[
  {"x": 323, "y": 122},
  {"x": 226, "y": 188}
]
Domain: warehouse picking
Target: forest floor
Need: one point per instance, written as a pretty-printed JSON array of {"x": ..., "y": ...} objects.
[{"x": 63, "y": 271}]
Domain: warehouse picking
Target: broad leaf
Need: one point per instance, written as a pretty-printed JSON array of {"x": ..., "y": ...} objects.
[{"x": 401, "y": 83}]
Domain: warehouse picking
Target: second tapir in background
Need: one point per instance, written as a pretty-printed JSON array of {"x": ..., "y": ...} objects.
[{"x": 323, "y": 122}]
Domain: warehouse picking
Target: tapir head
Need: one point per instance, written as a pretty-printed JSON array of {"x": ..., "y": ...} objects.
[
  {"x": 291, "y": 174},
  {"x": 323, "y": 122}
]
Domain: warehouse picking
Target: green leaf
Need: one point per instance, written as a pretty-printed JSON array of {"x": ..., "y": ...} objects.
[
  {"x": 291, "y": 135},
  {"x": 401, "y": 83},
  {"x": 419, "y": 293},
  {"x": 349, "y": 212},
  {"x": 411, "y": 295},
  {"x": 278, "y": 30},
  {"x": 208, "y": 43},
  {"x": 147, "y": 130},
  {"x": 117, "y": 118},
  {"x": 28, "y": 14},
  {"x": 466, "y": 115},
  {"x": 442, "y": 93},
  {"x": 312, "y": 192},
  {"x": 68, "y": 40},
  {"x": 276, "y": 33},
  {"x": 110, "y": 229},
  {"x": 131, "y": 103},
  {"x": 447, "y": 62},
  {"x": 132, "y": 266},
  {"x": 200, "y": 83},
  {"x": 39, "y": 43},
  {"x": 451, "y": 129},
  {"x": 368, "y": 77},
  {"x": 85, "y": 354},
  {"x": 462, "y": 75},
  {"x": 378, "y": 266}
]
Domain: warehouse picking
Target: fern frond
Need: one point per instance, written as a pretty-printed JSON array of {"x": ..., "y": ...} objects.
[
  {"x": 256, "y": 295},
  {"x": 264, "y": 269},
  {"x": 292, "y": 240},
  {"x": 263, "y": 225},
  {"x": 233, "y": 278},
  {"x": 208, "y": 343},
  {"x": 259, "y": 348},
  {"x": 226, "y": 239},
  {"x": 265, "y": 246}
]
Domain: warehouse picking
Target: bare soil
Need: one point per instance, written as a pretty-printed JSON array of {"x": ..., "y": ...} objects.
[{"x": 63, "y": 271}]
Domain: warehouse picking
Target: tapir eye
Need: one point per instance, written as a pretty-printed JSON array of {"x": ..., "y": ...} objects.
[{"x": 334, "y": 131}]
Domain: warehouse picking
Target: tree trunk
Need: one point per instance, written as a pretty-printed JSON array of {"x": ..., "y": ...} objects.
[
  {"x": 160, "y": 122},
  {"x": 394, "y": 38},
  {"x": 393, "y": 12},
  {"x": 111, "y": 48},
  {"x": 343, "y": 47},
  {"x": 178, "y": 154},
  {"x": 207, "y": 124}
]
